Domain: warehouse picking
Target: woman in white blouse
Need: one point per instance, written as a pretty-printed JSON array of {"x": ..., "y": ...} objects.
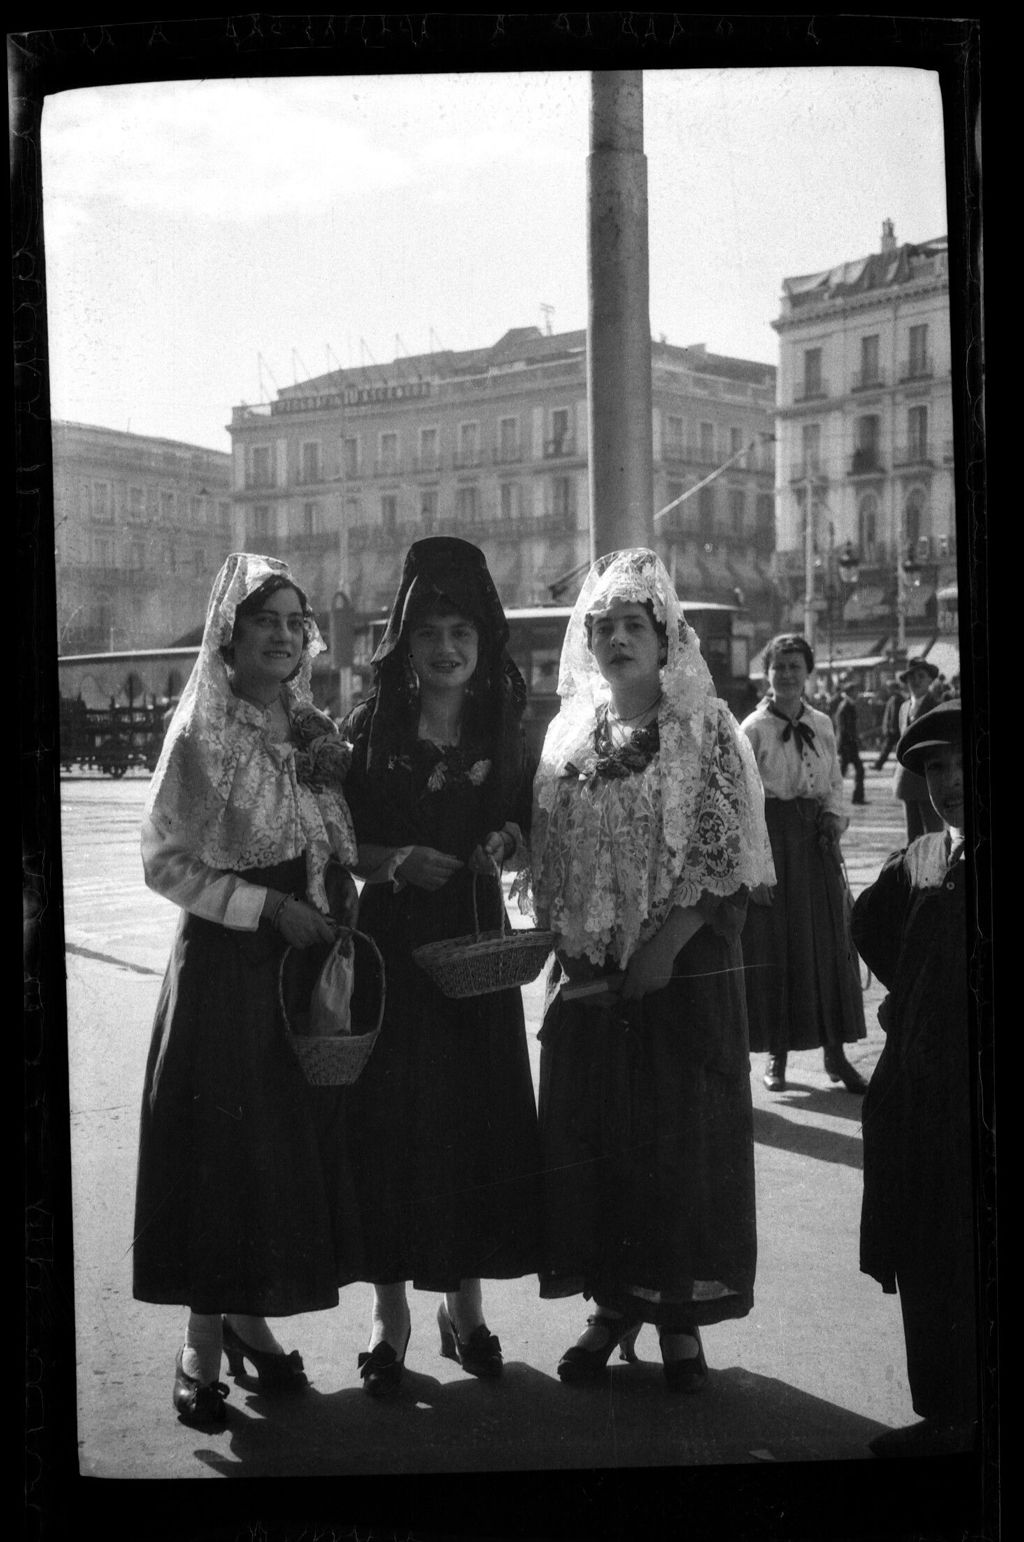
[
  {"x": 243, "y": 1204},
  {"x": 802, "y": 978}
]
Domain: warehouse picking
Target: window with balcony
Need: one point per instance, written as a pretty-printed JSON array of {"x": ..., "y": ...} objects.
[
  {"x": 867, "y": 449},
  {"x": 869, "y": 374},
  {"x": 102, "y": 502},
  {"x": 387, "y": 456},
  {"x": 259, "y": 520},
  {"x": 813, "y": 385},
  {"x": 560, "y": 441},
  {"x": 428, "y": 507},
  {"x": 737, "y": 509},
  {"x": 152, "y": 502},
  {"x": 765, "y": 511},
  {"x": 918, "y": 362},
  {"x": 167, "y": 506},
  {"x": 706, "y": 508},
  {"x": 562, "y": 501},
  {"x": 917, "y": 434},
  {"x": 867, "y": 528},
  {"x": 707, "y": 442},
  {"x": 467, "y": 504},
  {"x": 350, "y": 457},
  {"x": 735, "y": 441},
  {"x": 510, "y": 501},
  {"x": 310, "y": 518},
  {"x": 136, "y": 555},
  {"x": 170, "y": 558},
  {"x": 309, "y": 461},
  {"x": 810, "y": 449},
  {"x": 508, "y": 439},
  {"x": 259, "y": 466},
  {"x": 468, "y": 453},
  {"x": 913, "y": 518},
  {"x": 674, "y": 439},
  {"x": 136, "y": 502},
  {"x": 389, "y": 512},
  {"x": 429, "y": 453}
]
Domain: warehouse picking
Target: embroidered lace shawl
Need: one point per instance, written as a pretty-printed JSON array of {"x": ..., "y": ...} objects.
[
  {"x": 611, "y": 857},
  {"x": 222, "y": 788}
]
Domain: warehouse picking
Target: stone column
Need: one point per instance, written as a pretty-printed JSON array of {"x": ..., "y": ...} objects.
[{"x": 619, "y": 329}]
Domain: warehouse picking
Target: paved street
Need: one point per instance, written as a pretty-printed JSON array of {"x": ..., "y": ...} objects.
[{"x": 811, "y": 1375}]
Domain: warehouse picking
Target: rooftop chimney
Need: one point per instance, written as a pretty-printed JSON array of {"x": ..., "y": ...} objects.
[{"x": 888, "y": 238}]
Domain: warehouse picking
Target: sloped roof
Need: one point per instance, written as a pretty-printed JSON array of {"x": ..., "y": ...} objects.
[{"x": 880, "y": 270}]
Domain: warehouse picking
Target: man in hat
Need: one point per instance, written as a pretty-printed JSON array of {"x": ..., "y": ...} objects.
[
  {"x": 907, "y": 786},
  {"x": 917, "y": 1219},
  {"x": 844, "y": 719},
  {"x": 890, "y": 722}
]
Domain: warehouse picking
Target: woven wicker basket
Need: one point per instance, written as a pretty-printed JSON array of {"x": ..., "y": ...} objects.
[
  {"x": 483, "y": 962},
  {"x": 337, "y": 1060}
]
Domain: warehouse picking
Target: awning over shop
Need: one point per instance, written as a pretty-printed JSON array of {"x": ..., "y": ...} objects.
[
  {"x": 867, "y": 601},
  {"x": 917, "y": 599},
  {"x": 945, "y": 655}
]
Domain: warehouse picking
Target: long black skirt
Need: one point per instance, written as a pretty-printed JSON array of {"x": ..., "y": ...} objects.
[
  {"x": 647, "y": 1134},
  {"x": 801, "y": 970},
  {"x": 244, "y": 1200},
  {"x": 444, "y": 1116}
]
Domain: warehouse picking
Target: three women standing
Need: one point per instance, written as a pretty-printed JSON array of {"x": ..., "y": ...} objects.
[
  {"x": 648, "y": 832},
  {"x": 802, "y": 977},
  {"x": 243, "y": 1204},
  {"x": 443, "y": 1118}
]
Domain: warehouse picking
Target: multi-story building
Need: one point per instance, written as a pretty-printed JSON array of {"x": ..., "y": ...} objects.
[
  {"x": 141, "y": 525},
  {"x": 344, "y": 471},
  {"x": 864, "y": 433}
]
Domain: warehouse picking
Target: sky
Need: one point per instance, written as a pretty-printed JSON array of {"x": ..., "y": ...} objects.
[{"x": 208, "y": 242}]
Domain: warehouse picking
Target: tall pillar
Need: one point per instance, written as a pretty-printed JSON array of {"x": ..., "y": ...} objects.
[{"x": 619, "y": 327}]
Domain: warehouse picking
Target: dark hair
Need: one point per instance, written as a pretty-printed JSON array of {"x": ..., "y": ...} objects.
[
  {"x": 660, "y": 629},
  {"x": 255, "y": 601},
  {"x": 789, "y": 642},
  {"x": 425, "y": 603}
]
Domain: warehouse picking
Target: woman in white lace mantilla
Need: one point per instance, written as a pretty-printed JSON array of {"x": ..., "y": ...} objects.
[
  {"x": 243, "y": 1203},
  {"x": 648, "y": 833}
]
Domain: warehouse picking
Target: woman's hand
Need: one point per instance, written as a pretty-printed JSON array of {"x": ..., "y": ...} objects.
[
  {"x": 428, "y": 869},
  {"x": 830, "y": 828},
  {"x": 303, "y": 926},
  {"x": 491, "y": 853},
  {"x": 762, "y": 894},
  {"x": 650, "y": 967}
]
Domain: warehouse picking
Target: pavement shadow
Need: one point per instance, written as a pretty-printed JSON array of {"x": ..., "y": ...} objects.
[
  {"x": 836, "y": 1103},
  {"x": 529, "y": 1421},
  {"x": 771, "y": 1129}
]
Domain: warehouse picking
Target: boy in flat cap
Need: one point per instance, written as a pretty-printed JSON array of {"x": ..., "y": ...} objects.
[{"x": 917, "y": 1220}]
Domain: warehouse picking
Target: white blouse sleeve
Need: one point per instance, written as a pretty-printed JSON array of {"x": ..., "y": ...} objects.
[{"x": 203, "y": 891}]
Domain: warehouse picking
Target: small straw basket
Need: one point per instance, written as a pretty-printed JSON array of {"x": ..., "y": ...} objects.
[
  {"x": 334, "y": 1060},
  {"x": 485, "y": 961}
]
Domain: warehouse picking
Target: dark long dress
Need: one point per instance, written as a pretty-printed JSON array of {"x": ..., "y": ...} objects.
[
  {"x": 648, "y": 1141},
  {"x": 917, "y": 1220},
  {"x": 802, "y": 977},
  {"x": 443, "y": 1118},
  {"x": 243, "y": 1199}
]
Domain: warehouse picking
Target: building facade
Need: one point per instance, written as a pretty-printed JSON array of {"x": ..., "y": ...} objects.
[
  {"x": 864, "y": 438},
  {"x": 141, "y": 526},
  {"x": 343, "y": 472}
]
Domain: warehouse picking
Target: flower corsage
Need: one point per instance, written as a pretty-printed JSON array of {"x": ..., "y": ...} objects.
[
  {"x": 322, "y": 757},
  {"x": 617, "y": 764}
]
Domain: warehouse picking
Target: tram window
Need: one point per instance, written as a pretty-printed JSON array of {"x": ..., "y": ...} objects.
[{"x": 544, "y": 671}]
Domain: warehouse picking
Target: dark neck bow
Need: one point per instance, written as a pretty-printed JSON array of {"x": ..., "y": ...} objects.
[{"x": 794, "y": 727}]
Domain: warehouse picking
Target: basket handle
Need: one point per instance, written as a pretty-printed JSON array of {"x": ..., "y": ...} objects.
[
  {"x": 505, "y": 926},
  {"x": 345, "y": 931}
]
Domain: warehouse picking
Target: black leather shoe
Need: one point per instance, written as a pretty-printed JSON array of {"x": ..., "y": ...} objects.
[
  {"x": 381, "y": 1369},
  {"x": 480, "y": 1354},
  {"x": 839, "y": 1069},
  {"x": 688, "y": 1375},
  {"x": 198, "y": 1402},
  {"x": 276, "y": 1372},
  {"x": 580, "y": 1365},
  {"x": 775, "y": 1073}
]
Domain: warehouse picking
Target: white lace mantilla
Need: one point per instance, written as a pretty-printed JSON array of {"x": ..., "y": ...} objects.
[
  {"x": 606, "y": 870},
  {"x": 611, "y": 856},
  {"x": 222, "y": 787}
]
